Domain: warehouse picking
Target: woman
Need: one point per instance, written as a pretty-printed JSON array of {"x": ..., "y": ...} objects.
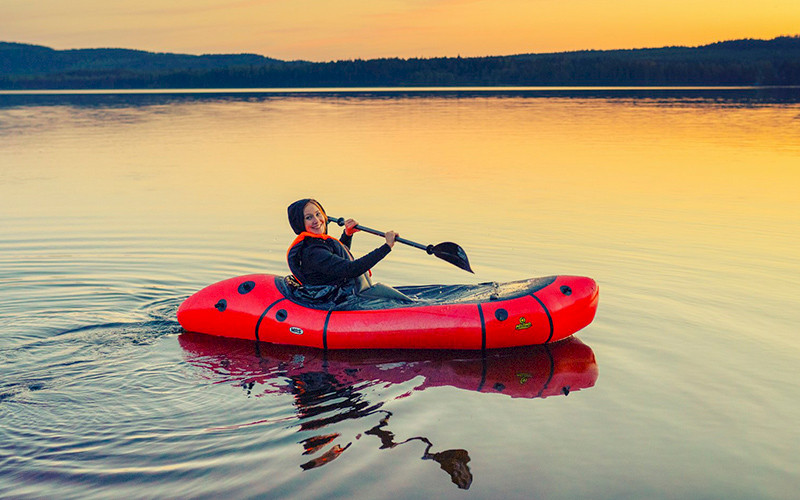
[{"x": 319, "y": 260}]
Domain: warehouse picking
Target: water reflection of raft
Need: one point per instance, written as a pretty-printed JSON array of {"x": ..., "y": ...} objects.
[
  {"x": 523, "y": 372},
  {"x": 330, "y": 387},
  {"x": 485, "y": 316}
]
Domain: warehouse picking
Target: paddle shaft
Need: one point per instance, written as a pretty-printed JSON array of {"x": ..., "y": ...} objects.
[{"x": 414, "y": 244}]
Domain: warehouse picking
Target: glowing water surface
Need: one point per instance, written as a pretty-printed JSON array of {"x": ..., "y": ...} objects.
[{"x": 683, "y": 205}]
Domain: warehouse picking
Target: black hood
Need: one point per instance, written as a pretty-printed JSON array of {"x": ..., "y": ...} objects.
[{"x": 295, "y": 212}]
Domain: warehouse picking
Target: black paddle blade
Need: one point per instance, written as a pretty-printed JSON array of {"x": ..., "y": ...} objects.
[{"x": 453, "y": 254}]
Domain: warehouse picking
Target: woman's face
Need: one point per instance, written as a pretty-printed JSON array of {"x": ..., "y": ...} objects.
[{"x": 314, "y": 219}]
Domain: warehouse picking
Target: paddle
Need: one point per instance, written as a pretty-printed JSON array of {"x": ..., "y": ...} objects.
[{"x": 447, "y": 251}]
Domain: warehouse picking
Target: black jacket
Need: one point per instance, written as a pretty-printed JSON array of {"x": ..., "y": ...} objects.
[{"x": 324, "y": 260}]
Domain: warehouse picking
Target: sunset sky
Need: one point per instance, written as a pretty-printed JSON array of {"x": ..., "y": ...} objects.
[{"x": 319, "y": 30}]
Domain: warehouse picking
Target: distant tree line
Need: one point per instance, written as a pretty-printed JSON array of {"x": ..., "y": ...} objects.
[{"x": 739, "y": 62}]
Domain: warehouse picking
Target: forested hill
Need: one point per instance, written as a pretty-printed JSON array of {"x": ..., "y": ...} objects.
[
  {"x": 737, "y": 62},
  {"x": 23, "y": 59}
]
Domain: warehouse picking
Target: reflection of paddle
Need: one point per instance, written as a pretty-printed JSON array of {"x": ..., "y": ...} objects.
[{"x": 448, "y": 251}]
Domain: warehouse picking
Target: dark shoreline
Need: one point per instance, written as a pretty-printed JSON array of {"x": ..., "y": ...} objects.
[
  {"x": 773, "y": 62},
  {"x": 728, "y": 96}
]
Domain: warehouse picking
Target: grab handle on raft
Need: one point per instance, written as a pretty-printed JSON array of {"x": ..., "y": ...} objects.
[{"x": 446, "y": 251}]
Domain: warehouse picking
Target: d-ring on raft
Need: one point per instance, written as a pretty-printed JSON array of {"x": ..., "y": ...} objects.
[{"x": 263, "y": 307}]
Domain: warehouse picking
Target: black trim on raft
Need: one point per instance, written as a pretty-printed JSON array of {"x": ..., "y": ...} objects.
[
  {"x": 549, "y": 317},
  {"x": 258, "y": 324},
  {"x": 483, "y": 328},
  {"x": 325, "y": 331}
]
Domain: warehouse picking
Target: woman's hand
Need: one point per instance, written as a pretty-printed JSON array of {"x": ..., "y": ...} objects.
[
  {"x": 350, "y": 227},
  {"x": 391, "y": 236}
]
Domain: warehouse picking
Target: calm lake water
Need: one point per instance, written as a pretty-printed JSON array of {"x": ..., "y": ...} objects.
[{"x": 683, "y": 204}]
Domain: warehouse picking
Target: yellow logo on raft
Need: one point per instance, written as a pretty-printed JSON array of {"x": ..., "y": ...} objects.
[{"x": 523, "y": 324}]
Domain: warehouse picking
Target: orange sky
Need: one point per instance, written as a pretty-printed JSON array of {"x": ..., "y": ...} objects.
[{"x": 320, "y": 30}]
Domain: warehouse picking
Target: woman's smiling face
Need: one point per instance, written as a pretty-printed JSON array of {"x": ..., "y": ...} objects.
[{"x": 314, "y": 219}]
